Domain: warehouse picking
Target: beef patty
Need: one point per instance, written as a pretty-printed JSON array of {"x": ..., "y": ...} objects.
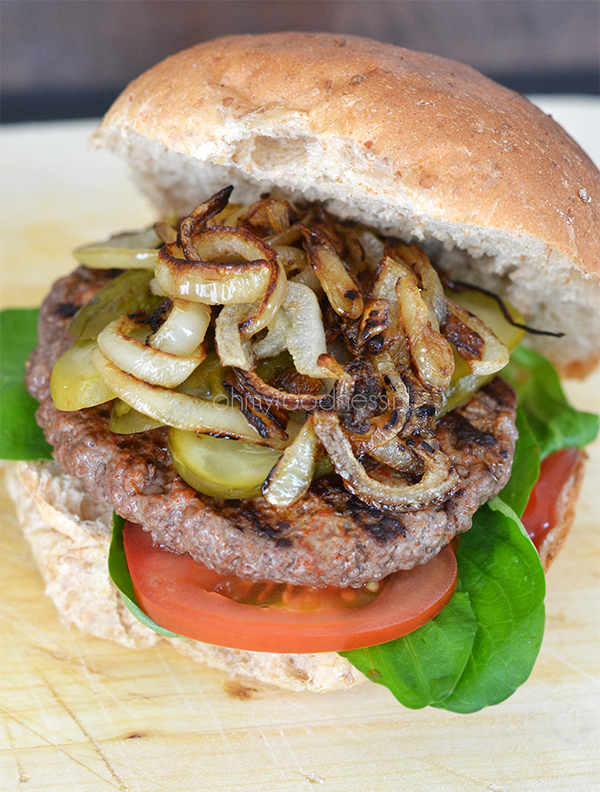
[{"x": 330, "y": 537}]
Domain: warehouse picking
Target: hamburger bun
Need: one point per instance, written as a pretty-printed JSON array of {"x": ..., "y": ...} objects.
[
  {"x": 412, "y": 144},
  {"x": 69, "y": 533}
]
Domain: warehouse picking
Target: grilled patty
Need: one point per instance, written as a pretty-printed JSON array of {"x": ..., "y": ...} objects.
[{"x": 330, "y": 537}]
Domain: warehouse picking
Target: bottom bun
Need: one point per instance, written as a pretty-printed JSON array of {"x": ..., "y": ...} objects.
[{"x": 70, "y": 535}]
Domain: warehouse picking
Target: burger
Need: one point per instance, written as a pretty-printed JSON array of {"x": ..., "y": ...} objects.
[{"x": 310, "y": 416}]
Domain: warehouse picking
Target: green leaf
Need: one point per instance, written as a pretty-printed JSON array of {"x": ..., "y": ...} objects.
[
  {"x": 525, "y": 468},
  {"x": 423, "y": 667},
  {"x": 554, "y": 423},
  {"x": 501, "y": 570},
  {"x": 20, "y": 436},
  {"x": 119, "y": 573}
]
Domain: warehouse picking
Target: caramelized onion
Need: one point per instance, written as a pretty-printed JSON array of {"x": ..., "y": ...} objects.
[
  {"x": 430, "y": 351},
  {"x": 184, "y": 328},
  {"x": 173, "y": 408},
  {"x": 232, "y": 266},
  {"x": 275, "y": 342},
  {"x": 374, "y": 321},
  {"x": 306, "y": 336},
  {"x": 233, "y": 350},
  {"x": 268, "y": 420},
  {"x": 432, "y": 290},
  {"x": 145, "y": 362},
  {"x": 252, "y": 383},
  {"x": 341, "y": 289},
  {"x": 268, "y": 216},
  {"x": 292, "y": 258},
  {"x": 397, "y": 455},
  {"x": 196, "y": 221},
  {"x": 438, "y": 481},
  {"x": 360, "y": 394},
  {"x": 384, "y": 288},
  {"x": 208, "y": 282},
  {"x": 494, "y": 355},
  {"x": 293, "y": 473}
]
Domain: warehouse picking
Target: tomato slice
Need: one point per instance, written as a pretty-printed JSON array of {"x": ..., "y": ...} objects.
[
  {"x": 540, "y": 514},
  {"x": 183, "y": 596}
]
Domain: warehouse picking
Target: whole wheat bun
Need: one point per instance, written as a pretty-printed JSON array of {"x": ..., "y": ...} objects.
[
  {"x": 415, "y": 145},
  {"x": 70, "y": 533}
]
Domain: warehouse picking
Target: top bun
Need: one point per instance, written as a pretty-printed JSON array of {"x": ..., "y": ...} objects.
[{"x": 415, "y": 145}]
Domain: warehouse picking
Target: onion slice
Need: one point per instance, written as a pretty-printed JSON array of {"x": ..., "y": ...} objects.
[
  {"x": 432, "y": 290},
  {"x": 495, "y": 354},
  {"x": 145, "y": 362},
  {"x": 173, "y": 408},
  {"x": 207, "y": 282},
  {"x": 270, "y": 396},
  {"x": 438, "y": 481},
  {"x": 230, "y": 266},
  {"x": 275, "y": 342},
  {"x": 233, "y": 350},
  {"x": 184, "y": 328},
  {"x": 397, "y": 455},
  {"x": 338, "y": 284},
  {"x": 293, "y": 473},
  {"x": 306, "y": 336},
  {"x": 271, "y": 216},
  {"x": 196, "y": 221},
  {"x": 430, "y": 351}
]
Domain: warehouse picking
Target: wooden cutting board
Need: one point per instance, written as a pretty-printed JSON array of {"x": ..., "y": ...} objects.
[{"x": 84, "y": 714}]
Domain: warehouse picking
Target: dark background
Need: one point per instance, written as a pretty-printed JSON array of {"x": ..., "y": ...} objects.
[{"x": 70, "y": 58}]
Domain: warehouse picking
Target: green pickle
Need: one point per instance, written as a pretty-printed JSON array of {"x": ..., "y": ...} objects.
[
  {"x": 220, "y": 467},
  {"x": 127, "y": 293},
  {"x": 464, "y": 384},
  {"x": 268, "y": 368},
  {"x": 75, "y": 384},
  {"x": 206, "y": 381},
  {"x": 125, "y": 420},
  {"x": 124, "y": 251}
]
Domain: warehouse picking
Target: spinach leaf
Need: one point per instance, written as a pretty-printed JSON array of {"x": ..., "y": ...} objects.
[
  {"x": 20, "y": 436},
  {"x": 423, "y": 667},
  {"x": 119, "y": 573},
  {"x": 483, "y": 645},
  {"x": 500, "y": 568},
  {"x": 525, "y": 468},
  {"x": 554, "y": 423}
]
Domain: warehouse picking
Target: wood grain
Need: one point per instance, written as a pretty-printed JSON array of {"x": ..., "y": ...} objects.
[{"x": 84, "y": 714}]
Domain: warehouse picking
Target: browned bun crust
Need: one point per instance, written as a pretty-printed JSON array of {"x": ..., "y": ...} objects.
[
  {"x": 565, "y": 513},
  {"x": 422, "y": 147},
  {"x": 381, "y": 97}
]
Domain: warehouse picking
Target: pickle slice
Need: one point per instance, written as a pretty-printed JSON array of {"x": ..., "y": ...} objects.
[
  {"x": 125, "y": 420},
  {"x": 220, "y": 467},
  {"x": 75, "y": 383},
  {"x": 206, "y": 381},
  {"x": 464, "y": 384},
  {"x": 127, "y": 293},
  {"x": 123, "y": 251},
  {"x": 268, "y": 368}
]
